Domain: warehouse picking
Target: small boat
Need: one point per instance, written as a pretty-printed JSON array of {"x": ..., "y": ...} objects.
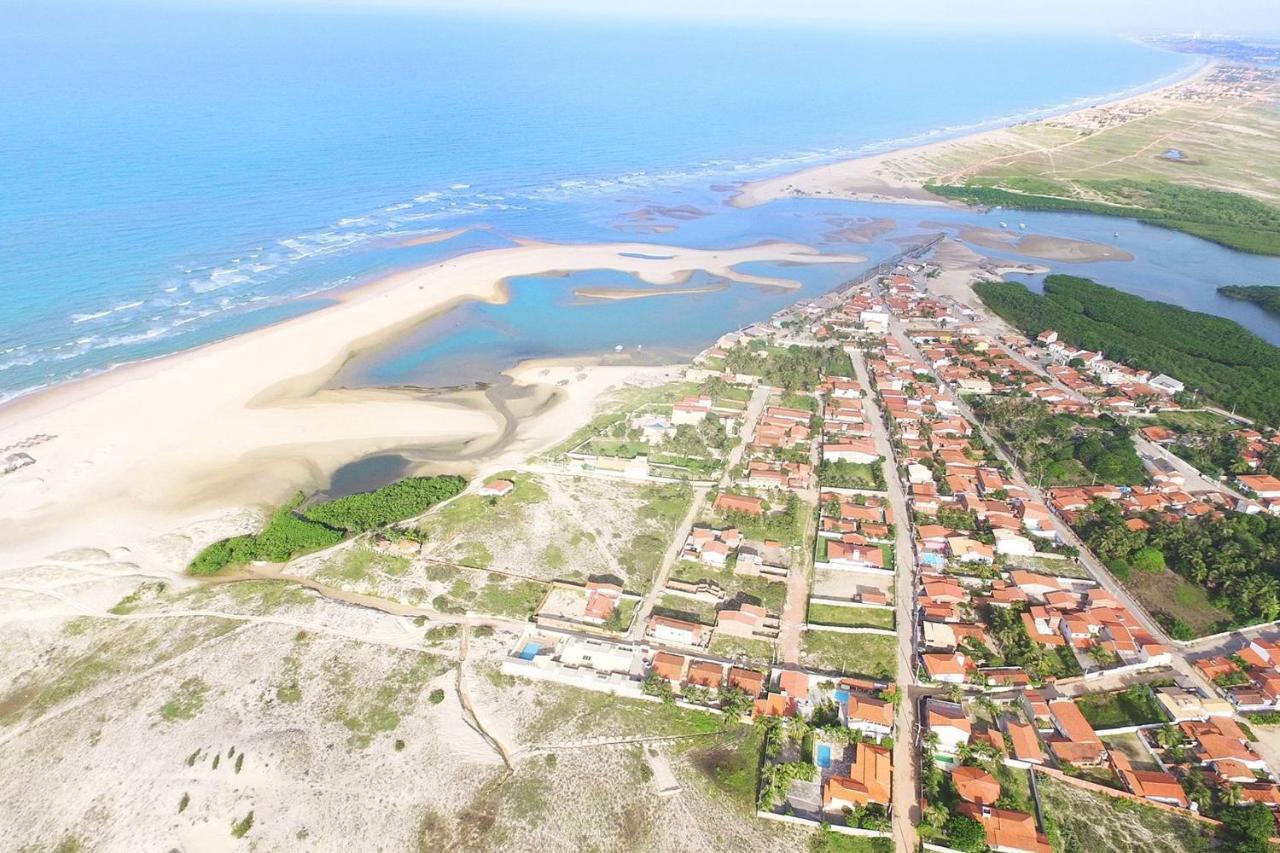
[
  {"x": 618, "y": 348},
  {"x": 1004, "y": 224},
  {"x": 1022, "y": 225}
]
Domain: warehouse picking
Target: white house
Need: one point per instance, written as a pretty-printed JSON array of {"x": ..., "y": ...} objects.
[
  {"x": 874, "y": 320},
  {"x": 947, "y": 720},
  {"x": 854, "y": 450},
  {"x": 691, "y": 410},
  {"x": 1011, "y": 544},
  {"x": 917, "y": 473},
  {"x": 1167, "y": 384}
]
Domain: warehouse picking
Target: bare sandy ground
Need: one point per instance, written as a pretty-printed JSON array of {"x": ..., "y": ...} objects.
[
  {"x": 1044, "y": 246},
  {"x": 962, "y": 266},
  {"x": 899, "y": 176},
  {"x": 166, "y": 451}
]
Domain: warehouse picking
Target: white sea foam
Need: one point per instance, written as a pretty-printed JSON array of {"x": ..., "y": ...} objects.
[
  {"x": 246, "y": 274},
  {"x": 84, "y": 318}
]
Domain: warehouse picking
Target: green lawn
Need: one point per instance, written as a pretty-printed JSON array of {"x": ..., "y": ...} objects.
[
  {"x": 852, "y": 617},
  {"x": 851, "y": 654},
  {"x": 616, "y": 447},
  {"x": 850, "y": 475},
  {"x": 828, "y": 841},
  {"x": 736, "y": 393},
  {"x": 1133, "y": 707}
]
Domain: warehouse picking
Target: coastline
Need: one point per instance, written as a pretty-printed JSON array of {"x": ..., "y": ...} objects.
[
  {"x": 189, "y": 439},
  {"x": 156, "y": 458},
  {"x": 880, "y": 176}
]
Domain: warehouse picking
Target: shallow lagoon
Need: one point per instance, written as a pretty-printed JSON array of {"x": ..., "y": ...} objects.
[{"x": 545, "y": 318}]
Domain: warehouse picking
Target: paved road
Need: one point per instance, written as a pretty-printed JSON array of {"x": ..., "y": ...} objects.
[
  {"x": 905, "y": 756},
  {"x": 1091, "y": 563},
  {"x": 1231, "y": 643},
  {"x": 1196, "y": 481}
]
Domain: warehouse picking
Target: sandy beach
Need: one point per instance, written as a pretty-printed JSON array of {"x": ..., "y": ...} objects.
[
  {"x": 153, "y": 460},
  {"x": 899, "y": 175}
]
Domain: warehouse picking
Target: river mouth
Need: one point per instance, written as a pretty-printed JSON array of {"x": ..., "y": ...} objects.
[
  {"x": 509, "y": 402},
  {"x": 367, "y": 474}
]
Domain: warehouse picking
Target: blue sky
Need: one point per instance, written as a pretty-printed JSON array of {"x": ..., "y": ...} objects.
[{"x": 1239, "y": 17}]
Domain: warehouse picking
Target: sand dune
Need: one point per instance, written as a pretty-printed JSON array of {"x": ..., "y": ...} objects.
[{"x": 899, "y": 175}]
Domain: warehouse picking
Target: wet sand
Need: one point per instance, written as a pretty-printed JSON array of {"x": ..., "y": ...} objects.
[
  {"x": 1043, "y": 246},
  {"x": 157, "y": 458}
]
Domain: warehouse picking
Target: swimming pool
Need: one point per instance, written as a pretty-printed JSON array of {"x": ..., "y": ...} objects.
[
  {"x": 824, "y": 756},
  {"x": 530, "y": 651}
]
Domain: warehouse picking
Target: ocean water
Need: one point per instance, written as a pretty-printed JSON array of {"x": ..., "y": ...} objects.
[{"x": 169, "y": 178}]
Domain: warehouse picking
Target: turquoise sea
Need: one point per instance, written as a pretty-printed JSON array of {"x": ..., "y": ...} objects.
[{"x": 170, "y": 178}]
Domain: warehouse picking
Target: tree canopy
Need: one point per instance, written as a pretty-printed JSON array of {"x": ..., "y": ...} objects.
[{"x": 1222, "y": 359}]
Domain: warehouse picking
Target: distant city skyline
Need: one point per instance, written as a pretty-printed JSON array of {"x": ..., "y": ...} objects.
[{"x": 1233, "y": 17}]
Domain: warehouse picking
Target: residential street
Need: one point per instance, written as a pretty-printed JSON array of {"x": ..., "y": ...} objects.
[
  {"x": 905, "y": 757},
  {"x": 1095, "y": 568},
  {"x": 755, "y": 406}
]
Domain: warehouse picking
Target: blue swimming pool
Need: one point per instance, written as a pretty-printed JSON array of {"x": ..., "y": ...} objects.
[
  {"x": 824, "y": 756},
  {"x": 530, "y": 651},
  {"x": 842, "y": 696}
]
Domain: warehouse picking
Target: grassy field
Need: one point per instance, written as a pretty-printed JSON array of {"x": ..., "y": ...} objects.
[
  {"x": 1230, "y": 163},
  {"x": 1131, "y": 746},
  {"x": 1116, "y": 710},
  {"x": 770, "y": 594},
  {"x": 1171, "y": 595},
  {"x": 851, "y": 654},
  {"x": 571, "y": 528},
  {"x": 826, "y": 841},
  {"x": 850, "y": 475},
  {"x": 358, "y": 563},
  {"x": 851, "y": 617},
  {"x": 1196, "y": 422},
  {"x": 750, "y": 651},
  {"x": 490, "y": 593},
  {"x": 679, "y": 607},
  {"x": 1083, "y": 820}
]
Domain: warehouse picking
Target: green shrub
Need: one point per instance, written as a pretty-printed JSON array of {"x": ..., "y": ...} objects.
[
  {"x": 396, "y": 502},
  {"x": 289, "y": 533},
  {"x": 241, "y": 827}
]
